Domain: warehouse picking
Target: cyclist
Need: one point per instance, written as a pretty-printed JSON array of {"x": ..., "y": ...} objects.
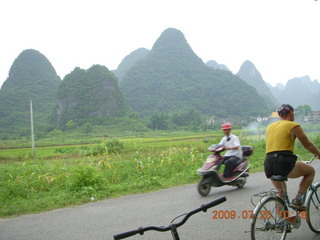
[
  {"x": 233, "y": 154},
  {"x": 280, "y": 160}
]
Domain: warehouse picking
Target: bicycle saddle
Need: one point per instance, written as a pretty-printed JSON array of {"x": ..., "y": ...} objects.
[{"x": 279, "y": 178}]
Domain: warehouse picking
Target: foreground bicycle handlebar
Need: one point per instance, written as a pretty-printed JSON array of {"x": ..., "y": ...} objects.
[
  {"x": 173, "y": 226},
  {"x": 307, "y": 162}
]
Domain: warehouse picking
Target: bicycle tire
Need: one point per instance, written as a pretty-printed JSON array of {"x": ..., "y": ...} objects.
[
  {"x": 313, "y": 208},
  {"x": 266, "y": 222}
]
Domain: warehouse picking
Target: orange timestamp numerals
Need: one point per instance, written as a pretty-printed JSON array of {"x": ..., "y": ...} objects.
[
  {"x": 287, "y": 214},
  {"x": 231, "y": 214},
  {"x": 248, "y": 214}
]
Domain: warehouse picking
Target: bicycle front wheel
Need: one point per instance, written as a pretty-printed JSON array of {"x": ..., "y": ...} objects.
[
  {"x": 313, "y": 208},
  {"x": 268, "y": 221}
]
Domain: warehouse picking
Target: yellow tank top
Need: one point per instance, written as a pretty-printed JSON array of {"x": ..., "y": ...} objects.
[{"x": 278, "y": 136}]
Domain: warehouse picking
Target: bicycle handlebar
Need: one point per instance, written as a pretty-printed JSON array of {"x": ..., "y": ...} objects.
[
  {"x": 141, "y": 230},
  {"x": 310, "y": 161}
]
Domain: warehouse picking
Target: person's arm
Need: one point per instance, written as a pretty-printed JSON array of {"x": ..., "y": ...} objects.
[
  {"x": 299, "y": 133},
  {"x": 232, "y": 148}
]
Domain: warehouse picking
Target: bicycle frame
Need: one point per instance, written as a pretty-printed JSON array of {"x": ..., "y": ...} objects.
[
  {"x": 280, "y": 209},
  {"x": 305, "y": 197},
  {"x": 173, "y": 226},
  {"x": 295, "y": 220}
]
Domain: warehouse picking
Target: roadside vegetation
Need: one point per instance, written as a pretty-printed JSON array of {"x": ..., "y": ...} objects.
[{"x": 99, "y": 168}]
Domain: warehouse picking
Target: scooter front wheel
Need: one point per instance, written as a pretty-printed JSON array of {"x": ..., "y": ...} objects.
[{"x": 203, "y": 188}]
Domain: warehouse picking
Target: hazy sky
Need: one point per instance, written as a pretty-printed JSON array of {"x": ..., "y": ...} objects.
[{"x": 280, "y": 37}]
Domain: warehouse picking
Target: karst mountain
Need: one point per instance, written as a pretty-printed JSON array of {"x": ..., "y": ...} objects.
[
  {"x": 31, "y": 77},
  {"x": 91, "y": 95},
  {"x": 172, "y": 77}
]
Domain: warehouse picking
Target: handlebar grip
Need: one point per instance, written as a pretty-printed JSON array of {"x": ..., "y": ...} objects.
[
  {"x": 126, "y": 234},
  {"x": 215, "y": 202}
]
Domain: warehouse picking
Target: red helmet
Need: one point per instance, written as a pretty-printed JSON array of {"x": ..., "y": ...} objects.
[{"x": 226, "y": 126}]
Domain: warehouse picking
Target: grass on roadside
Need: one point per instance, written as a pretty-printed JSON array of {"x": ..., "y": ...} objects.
[
  {"x": 70, "y": 175},
  {"x": 35, "y": 184}
]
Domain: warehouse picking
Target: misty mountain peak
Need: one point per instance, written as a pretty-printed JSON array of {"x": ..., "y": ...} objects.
[
  {"x": 172, "y": 44},
  {"x": 249, "y": 73},
  {"x": 28, "y": 64},
  {"x": 129, "y": 61},
  {"x": 170, "y": 38},
  {"x": 299, "y": 91},
  {"x": 213, "y": 64},
  {"x": 172, "y": 78},
  {"x": 311, "y": 87},
  {"x": 299, "y": 81},
  {"x": 280, "y": 86},
  {"x": 33, "y": 77}
]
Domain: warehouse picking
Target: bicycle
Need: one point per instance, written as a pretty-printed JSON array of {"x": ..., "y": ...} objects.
[
  {"x": 173, "y": 226},
  {"x": 272, "y": 218}
]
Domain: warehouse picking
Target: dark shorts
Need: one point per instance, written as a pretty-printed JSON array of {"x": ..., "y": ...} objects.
[{"x": 279, "y": 163}]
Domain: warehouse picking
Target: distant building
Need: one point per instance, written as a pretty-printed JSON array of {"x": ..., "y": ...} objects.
[
  {"x": 259, "y": 119},
  {"x": 313, "y": 116}
]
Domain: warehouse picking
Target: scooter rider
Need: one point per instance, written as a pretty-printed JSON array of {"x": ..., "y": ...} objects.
[{"x": 233, "y": 154}]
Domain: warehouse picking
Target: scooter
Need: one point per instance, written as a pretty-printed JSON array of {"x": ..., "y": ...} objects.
[{"x": 210, "y": 170}]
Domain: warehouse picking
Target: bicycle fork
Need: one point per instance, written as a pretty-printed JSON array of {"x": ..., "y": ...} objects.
[{"x": 174, "y": 232}]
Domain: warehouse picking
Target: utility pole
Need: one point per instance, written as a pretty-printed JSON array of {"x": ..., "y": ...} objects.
[
  {"x": 32, "y": 134},
  {"x": 156, "y": 133}
]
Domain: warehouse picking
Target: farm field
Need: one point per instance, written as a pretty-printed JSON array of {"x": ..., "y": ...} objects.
[{"x": 79, "y": 170}]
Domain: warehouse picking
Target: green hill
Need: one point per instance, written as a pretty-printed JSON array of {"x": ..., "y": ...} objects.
[
  {"x": 89, "y": 96},
  {"x": 129, "y": 61},
  {"x": 251, "y": 75},
  {"x": 31, "y": 77},
  {"x": 168, "y": 80},
  {"x": 172, "y": 77}
]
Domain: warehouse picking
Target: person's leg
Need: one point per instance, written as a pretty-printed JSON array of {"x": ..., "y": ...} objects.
[
  {"x": 307, "y": 173},
  {"x": 303, "y": 170},
  {"x": 280, "y": 186},
  {"x": 229, "y": 165}
]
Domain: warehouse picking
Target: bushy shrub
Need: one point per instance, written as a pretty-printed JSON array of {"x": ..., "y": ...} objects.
[
  {"x": 114, "y": 146},
  {"x": 86, "y": 178}
]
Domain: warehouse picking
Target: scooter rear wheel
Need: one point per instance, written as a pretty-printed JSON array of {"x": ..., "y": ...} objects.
[
  {"x": 203, "y": 188},
  {"x": 241, "y": 182}
]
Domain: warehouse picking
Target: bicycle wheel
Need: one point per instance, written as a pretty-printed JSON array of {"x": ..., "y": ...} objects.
[
  {"x": 313, "y": 208},
  {"x": 267, "y": 221}
]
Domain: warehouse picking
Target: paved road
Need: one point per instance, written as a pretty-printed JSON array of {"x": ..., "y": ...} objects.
[{"x": 100, "y": 220}]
